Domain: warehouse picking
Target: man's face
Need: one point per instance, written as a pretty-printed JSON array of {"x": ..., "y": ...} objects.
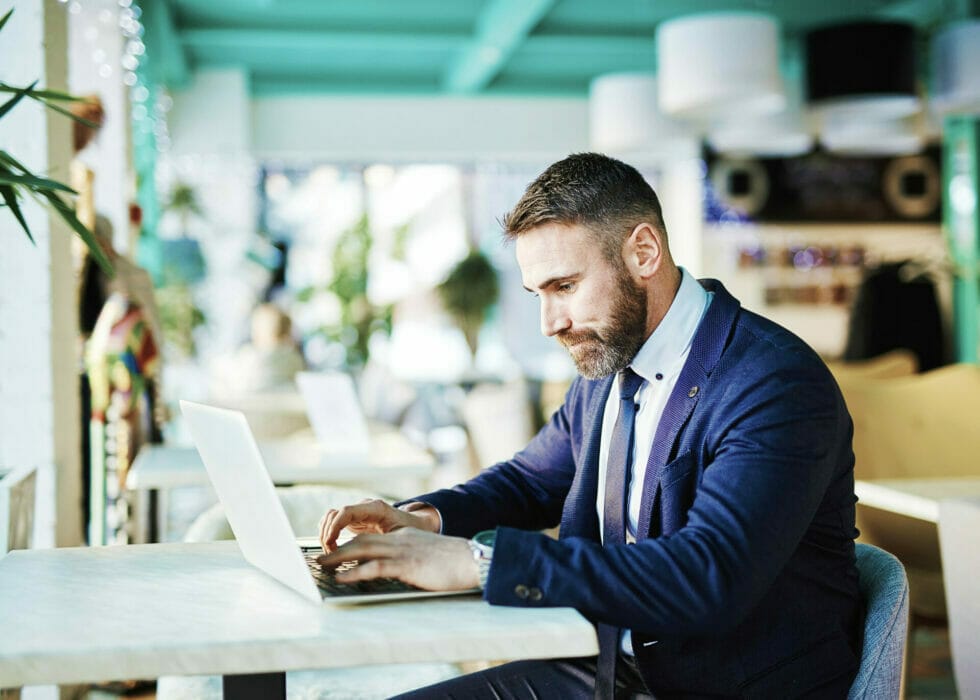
[{"x": 591, "y": 306}]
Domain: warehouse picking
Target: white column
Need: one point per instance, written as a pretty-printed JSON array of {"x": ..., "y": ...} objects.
[
  {"x": 95, "y": 46},
  {"x": 39, "y": 398},
  {"x": 681, "y": 193}
]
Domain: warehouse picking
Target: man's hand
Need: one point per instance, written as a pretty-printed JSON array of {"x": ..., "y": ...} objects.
[
  {"x": 374, "y": 516},
  {"x": 423, "y": 559}
]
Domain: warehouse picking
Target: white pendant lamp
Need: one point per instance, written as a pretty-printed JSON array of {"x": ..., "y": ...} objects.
[
  {"x": 715, "y": 65},
  {"x": 784, "y": 134},
  {"x": 865, "y": 137},
  {"x": 625, "y": 120},
  {"x": 956, "y": 69}
]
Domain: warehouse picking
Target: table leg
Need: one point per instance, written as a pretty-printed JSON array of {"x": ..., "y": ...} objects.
[{"x": 254, "y": 686}]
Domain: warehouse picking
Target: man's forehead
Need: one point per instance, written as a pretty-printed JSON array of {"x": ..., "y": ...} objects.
[{"x": 553, "y": 251}]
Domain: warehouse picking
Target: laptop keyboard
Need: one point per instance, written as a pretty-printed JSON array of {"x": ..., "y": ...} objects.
[{"x": 330, "y": 586}]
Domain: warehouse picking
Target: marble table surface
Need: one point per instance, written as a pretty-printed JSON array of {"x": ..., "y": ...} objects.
[
  {"x": 78, "y": 615},
  {"x": 292, "y": 460},
  {"x": 917, "y": 498}
]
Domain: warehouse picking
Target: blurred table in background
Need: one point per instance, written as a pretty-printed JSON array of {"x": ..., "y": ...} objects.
[
  {"x": 395, "y": 467},
  {"x": 915, "y": 498}
]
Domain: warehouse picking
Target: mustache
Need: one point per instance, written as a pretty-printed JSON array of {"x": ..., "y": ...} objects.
[{"x": 570, "y": 338}]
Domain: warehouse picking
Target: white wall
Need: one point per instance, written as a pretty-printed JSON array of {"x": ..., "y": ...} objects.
[
  {"x": 419, "y": 129},
  {"x": 39, "y": 401}
]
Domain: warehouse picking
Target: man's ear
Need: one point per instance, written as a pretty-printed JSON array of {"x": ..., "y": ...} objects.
[{"x": 644, "y": 251}]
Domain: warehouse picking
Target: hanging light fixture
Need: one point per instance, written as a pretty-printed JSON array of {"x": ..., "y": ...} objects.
[
  {"x": 956, "y": 69},
  {"x": 719, "y": 64},
  {"x": 862, "y": 70},
  {"x": 786, "y": 133},
  {"x": 887, "y": 137},
  {"x": 625, "y": 119}
]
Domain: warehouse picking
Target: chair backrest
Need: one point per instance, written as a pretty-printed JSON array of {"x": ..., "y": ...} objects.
[
  {"x": 304, "y": 506},
  {"x": 17, "y": 503},
  {"x": 922, "y": 425},
  {"x": 894, "y": 363},
  {"x": 959, "y": 523},
  {"x": 885, "y": 591}
]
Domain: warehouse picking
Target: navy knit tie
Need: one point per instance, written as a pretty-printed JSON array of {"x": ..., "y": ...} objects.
[
  {"x": 619, "y": 461},
  {"x": 614, "y": 516}
]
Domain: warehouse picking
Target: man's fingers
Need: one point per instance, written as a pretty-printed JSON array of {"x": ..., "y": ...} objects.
[
  {"x": 376, "y": 568},
  {"x": 362, "y": 548}
]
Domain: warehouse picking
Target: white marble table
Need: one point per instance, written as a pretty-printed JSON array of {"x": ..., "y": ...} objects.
[
  {"x": 916, "y": 498},
  {"x": 83, "y": 615}
]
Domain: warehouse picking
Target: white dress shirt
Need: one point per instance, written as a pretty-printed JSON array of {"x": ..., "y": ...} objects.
[{"x": 659, "y": 361}]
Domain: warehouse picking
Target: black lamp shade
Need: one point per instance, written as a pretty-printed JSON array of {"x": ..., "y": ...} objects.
[{"x": 860, "y": 59}]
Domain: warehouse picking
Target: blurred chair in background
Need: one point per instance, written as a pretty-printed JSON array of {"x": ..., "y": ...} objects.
[
  {"x": 304, "y": 505},
  {"x": 885, "y": 591},
  {"x": 499, "y": 421},
  {"x": 919, "y": 426},
  {"x": 17, "y": 499},
  {"x": 895, "y": 363},
  {"x": 959, "y": 525}
]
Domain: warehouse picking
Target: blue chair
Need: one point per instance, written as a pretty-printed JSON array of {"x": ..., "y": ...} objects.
[{"x": 885, "y": 590}]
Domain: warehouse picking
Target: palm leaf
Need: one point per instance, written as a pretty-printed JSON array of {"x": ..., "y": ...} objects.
[
  {"x": 8, "y": 177},
  {"x": 61, "y": 110},
  {"x": 10, "y": 197},
  {"x": 45, "y": 94},
  {"x": 18, "y": 96},
  {"x": 87, "y": 236}
]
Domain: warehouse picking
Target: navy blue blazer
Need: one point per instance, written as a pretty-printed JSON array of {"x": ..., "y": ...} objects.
[{"x": 742, "y": 581}]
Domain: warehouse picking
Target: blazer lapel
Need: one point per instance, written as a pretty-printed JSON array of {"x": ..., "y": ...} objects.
[
  {"x": 706, "y": 348},
  {"x": 579, "y": 518}
]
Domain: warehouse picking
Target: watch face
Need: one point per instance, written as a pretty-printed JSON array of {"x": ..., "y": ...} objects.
[{"x": 485, "y": 538}]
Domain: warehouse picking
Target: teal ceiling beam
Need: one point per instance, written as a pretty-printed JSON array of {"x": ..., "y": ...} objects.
[
  {"x": 252, "y": 40},
  {"x": 501, "y": 26},
  {"x": 170, "y": 60}
]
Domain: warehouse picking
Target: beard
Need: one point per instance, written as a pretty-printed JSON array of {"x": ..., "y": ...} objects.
[{"x": 607, "y": 349}]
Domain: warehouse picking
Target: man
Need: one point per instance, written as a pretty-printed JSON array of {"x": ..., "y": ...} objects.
[{"x": 722, "y": 563}]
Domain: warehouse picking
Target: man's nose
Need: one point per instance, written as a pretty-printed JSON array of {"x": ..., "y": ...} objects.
[{"x": 554, "y": 319}]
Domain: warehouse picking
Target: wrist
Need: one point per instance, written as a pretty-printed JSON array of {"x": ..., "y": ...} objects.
[
  {"x": 428, "y": 514},
  {"x": 481, "y": 547}
]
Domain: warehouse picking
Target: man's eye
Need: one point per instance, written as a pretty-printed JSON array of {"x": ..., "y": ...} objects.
[{"x": 566, "y": 287}]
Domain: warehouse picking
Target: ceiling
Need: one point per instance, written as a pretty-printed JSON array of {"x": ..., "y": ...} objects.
[{"x": 464, "y": 47}]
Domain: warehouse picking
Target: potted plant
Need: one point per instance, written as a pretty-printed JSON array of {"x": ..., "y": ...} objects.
[
  {"x": 468, "y": 293},
  {"x": 17, "y": 182}
]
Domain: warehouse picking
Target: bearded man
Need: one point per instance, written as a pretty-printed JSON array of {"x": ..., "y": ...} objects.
[{"x": 700, "y": 470}]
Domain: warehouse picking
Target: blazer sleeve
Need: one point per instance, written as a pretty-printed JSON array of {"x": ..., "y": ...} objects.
[
  {"x": 526, "y": 492},
  {"x": 779, "y": 438}
]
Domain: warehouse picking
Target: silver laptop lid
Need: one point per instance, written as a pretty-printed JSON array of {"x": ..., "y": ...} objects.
[
  {"x": 235, "y": 466},
  {"x": 334, "y": 412}
]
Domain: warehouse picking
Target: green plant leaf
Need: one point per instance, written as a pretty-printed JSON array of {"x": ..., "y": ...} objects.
[
  {"x": 18, "y": 96},
  {"x": 10, "y": 197},
  {"x": 61, "y": 110},
  {"x": 32, "y": 181},
  {"x": 87, "y": 236},
  {"x": 6, "y": 17},
  {"x": 45, "y": 94}
]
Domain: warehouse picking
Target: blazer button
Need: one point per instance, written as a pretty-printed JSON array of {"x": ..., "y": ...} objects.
[
  {"x": 693, "y": 392},
  {"x": 534, "y": 595},
  {"x": 521, "y": 591}
]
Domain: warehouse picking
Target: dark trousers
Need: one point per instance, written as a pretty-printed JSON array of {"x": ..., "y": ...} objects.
[{"x": 550, "y": 679}]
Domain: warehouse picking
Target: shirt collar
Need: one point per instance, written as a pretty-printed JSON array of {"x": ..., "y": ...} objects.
[{"x": 672, "y": 338}]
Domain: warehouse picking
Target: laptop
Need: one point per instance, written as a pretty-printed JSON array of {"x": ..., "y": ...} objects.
[
  {"x": 335, "y": 415},
  {"x": 241, "y": 480}
]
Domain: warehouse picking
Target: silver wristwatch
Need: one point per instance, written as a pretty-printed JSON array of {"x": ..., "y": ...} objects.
[{"x": 482, "y": 547}]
